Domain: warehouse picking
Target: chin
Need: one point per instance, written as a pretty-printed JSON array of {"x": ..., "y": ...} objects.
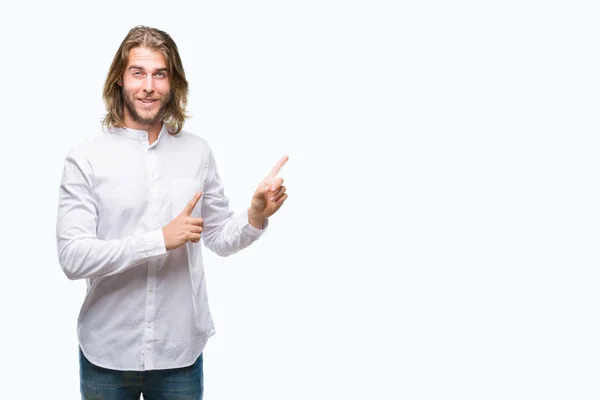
[{"x": 147, "y": 116}]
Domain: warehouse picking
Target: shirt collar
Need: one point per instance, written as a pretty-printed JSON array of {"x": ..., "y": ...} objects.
[{"x": 137, "y": 134}]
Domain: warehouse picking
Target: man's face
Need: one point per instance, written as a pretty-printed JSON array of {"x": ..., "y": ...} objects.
[{"x": 146, "y": 88}]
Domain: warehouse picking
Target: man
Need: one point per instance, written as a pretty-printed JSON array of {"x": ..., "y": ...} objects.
[{"x": 134, "y": 203}]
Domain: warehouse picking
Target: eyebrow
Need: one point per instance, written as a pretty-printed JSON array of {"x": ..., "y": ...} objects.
[{"x": 143, "y": 69}]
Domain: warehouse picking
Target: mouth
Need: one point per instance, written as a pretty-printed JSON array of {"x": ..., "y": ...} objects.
[{"x": 148, "y": 104}]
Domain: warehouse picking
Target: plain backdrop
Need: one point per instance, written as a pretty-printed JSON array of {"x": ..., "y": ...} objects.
[{"x": 441, "y": 236}]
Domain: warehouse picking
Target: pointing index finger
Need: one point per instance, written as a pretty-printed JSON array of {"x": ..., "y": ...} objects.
[
  {"x": 277, "y": 167},
  {"x": 187, "y": 210}
]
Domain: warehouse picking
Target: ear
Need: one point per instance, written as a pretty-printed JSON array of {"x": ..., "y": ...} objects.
[{"x": 120, "y": 82}]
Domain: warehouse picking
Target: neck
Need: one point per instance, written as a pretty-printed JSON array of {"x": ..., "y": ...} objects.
[
  {"x": 153, "y": 132},
  {"x": 152, "y": 129}
]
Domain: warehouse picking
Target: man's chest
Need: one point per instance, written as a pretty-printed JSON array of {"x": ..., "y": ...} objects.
[{"x": 149, "y": 185}]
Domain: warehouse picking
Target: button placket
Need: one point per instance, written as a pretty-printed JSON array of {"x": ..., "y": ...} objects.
[{"x": 152, "y": 265}]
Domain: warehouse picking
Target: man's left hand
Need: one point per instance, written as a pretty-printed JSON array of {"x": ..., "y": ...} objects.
[{"x": 268, "y": 197}]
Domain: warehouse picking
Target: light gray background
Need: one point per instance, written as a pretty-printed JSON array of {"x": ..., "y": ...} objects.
[{"x": 441, "y": 236}]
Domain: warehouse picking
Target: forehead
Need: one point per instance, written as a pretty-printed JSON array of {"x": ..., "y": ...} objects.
[{"x": 146, "y": 58}]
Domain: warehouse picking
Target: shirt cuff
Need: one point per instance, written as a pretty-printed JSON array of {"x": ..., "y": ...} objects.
[
  {"x": 154, "y": 243},
  {"x": 249, "y": 229}
]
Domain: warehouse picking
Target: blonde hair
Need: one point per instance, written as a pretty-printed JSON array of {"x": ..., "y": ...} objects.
[{"x": 151, "y": 38}]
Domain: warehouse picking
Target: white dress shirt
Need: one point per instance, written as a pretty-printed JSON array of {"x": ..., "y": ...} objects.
[{"x": 145, "y": 308}]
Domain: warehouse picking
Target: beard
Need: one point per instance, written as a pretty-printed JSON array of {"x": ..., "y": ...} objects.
[{"x": 149, "y": 118}]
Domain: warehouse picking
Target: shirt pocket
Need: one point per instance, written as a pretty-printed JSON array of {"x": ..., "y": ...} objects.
[{"x": 182, "y": 191}]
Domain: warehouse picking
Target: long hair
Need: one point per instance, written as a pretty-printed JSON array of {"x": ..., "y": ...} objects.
[{"x": 151, "y": 38}]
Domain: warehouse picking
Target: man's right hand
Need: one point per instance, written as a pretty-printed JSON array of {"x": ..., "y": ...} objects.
[{"x": 184, "y": 228}]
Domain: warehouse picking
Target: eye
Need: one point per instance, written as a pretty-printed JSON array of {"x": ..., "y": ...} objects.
[
  {"x": 160, "y": 75},
  {"x": 137, "y": 73}
]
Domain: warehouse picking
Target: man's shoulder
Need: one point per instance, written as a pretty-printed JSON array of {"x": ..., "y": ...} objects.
[
  {"x": 188, "y": 138},
  {"x": 90, "y": 144}
]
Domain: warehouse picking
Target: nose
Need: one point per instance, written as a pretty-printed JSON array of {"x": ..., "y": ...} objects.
[{"x": 149, "y": 84}]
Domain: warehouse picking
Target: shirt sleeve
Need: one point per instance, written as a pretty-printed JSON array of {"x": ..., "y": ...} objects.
[
  {"x": 81, "y": 254},
  {"x": 224, "y": 233}
]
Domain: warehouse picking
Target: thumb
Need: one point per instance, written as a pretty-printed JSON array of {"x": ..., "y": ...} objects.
[{"x": 187, "y": 210}]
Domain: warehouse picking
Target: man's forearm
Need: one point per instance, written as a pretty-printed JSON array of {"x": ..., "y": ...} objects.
[{"x": 82, "y": 258}]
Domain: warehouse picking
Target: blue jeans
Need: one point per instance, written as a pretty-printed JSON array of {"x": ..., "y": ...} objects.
[{"x": 97, "y": 383}]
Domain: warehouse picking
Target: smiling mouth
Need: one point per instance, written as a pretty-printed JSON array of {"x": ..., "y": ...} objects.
[{"x": 147, "y": 101}]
